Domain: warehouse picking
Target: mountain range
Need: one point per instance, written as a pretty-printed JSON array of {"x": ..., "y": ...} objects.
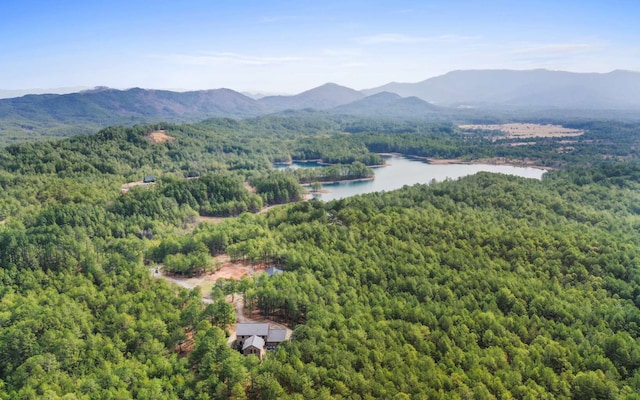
[
  {"x": 617, "y": 90},
  {"x": 454, "y": 93},
  {"x": 8, "y": 93}
]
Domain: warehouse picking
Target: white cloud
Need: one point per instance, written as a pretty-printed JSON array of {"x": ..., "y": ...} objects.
[
  {"x": 229, "y": 58},
  {"x": 551, "y": 49},
  {"x": 399, "y": 38},
  {"x": 341, "y": 52},
  {"x": 354, "y": 65},
  {"x": 578, "y": 56}
]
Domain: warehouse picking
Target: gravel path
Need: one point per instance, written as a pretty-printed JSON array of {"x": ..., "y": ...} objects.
[{"x": 238, "y": 302}]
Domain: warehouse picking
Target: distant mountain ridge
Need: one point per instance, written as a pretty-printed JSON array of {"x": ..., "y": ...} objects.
[
  {"x": 33, "y": 117},
  {"x": 389, "y": 104},
  {"x": 533, "y": 88},
  {"x": 323, "y": 97},
  {"x": 9, "y": 93},
  {"x": 114, "y": 105},
  {"x": 454, "y": 95}
]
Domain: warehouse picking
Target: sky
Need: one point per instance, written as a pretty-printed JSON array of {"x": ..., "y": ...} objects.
[{"x": 291, "y": 46}]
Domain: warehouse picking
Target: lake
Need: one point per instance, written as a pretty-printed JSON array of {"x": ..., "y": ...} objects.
[{"x": 402, "y": 171}]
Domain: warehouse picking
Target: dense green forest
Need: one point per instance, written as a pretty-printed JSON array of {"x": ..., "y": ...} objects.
[{"x": 487, "y": 287}]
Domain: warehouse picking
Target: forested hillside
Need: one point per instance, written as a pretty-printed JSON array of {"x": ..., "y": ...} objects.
[
  {"x": 487, "y": 96},
  {"x": 38, "y": 117},
  {"x": 487, "y": 287}
]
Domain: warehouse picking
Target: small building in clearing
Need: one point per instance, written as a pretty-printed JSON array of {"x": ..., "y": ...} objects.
[
  {"x": 149, "y": 179},
  {"x": 256, "y": 338},
  {"x": 273, "y": 271}
]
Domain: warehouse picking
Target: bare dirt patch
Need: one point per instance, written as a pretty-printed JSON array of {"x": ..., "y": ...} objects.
[
  {"x": 491, "y": 161},
  {"x": 519, "y": 130},
  {"x": 445, "y": 161},
  {"x": 159, "y": 136},
  {"x": 235, "y": 269},
  {"x": 228, "y": 270},
  {"x": 186, "y": 347},
  {"x": 212, "y": 220},
  {"x": 124, "y": 188},
  {"x": 249, "y": 188}
]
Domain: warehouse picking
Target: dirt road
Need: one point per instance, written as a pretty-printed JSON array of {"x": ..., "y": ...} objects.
[{"x": 238, "y": 301}]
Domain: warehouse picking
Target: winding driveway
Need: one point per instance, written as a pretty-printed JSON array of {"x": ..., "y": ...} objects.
[{"x": 238, "y": 302}]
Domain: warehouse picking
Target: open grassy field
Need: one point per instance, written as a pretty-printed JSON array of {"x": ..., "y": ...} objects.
[{"x": 521, "y": 130}]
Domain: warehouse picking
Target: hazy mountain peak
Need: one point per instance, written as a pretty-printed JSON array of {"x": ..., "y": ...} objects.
[
  {"x": 322, "y": 97},
  {"x": 96, "y": 89},
  {"x": 333, "y": 88},
  {"x": 529, "y": 88},
  {"x": 11, "y": 93},
  {"x": 385, "y": 96},
  {"x": 390, "y": 105}
]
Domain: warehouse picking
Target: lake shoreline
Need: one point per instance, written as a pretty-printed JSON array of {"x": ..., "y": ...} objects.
[
  {"x": 319, "y": 161},
  {"x": 480, "y": 161},
  {"x": 336, "y": 182},
  {"x": 404, "y": 170},
  {"x": 401, "y": 159},
  {"x": 431, "y": 160}
]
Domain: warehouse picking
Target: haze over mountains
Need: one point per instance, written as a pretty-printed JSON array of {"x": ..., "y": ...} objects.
[
  {"x": 455, "y": 92},
  {"x": 537, "y": 89},
  {"x": 323, "y": 97},
  {"x": 390, "y": 105},
  {"x": 9, "y": 93}
]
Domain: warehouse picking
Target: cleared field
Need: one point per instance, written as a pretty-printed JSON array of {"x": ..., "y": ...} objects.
[
  {"x": 520, "y": 130},
  {"x": 159, "y": 137},
  {"x": 229, "y": 269},
  {"x": 124, "y": 188}
]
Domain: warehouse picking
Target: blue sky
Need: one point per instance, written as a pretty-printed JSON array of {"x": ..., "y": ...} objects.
[{"x": 291, "y": 46}]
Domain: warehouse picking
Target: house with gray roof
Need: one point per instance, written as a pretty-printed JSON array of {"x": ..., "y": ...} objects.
[
  {"x": 255, "y": 337},
  {"x": 149, "y": 179},
  {"x": 273, "y": 271},
  {"x": 254, "y": 345},
  {"x": 275, "y": 337},
  {"x": 246, "y": 330}
]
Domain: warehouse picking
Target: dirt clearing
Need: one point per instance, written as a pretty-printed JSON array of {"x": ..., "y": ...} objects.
[
  {"x": 159, "y": 136},
  {"x": 212, "y": 220},
  {"x": 124, "y": 188},
  {"x": 228, "y": 270}
]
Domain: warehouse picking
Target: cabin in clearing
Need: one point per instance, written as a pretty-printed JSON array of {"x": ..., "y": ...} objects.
[
  {"x": 273, "y": 271},
  {"x": 256, "y": 338}
]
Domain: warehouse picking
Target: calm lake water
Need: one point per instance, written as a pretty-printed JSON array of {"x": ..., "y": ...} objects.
[{"x": 402, "y": 171}]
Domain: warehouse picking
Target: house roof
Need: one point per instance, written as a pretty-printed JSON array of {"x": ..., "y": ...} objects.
[
  {"x": 277, "y": 335},
  {"x": 250, "y": 329},
  {"x": 273, "y": 270},
  {"x": 254, "y": 341}
]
